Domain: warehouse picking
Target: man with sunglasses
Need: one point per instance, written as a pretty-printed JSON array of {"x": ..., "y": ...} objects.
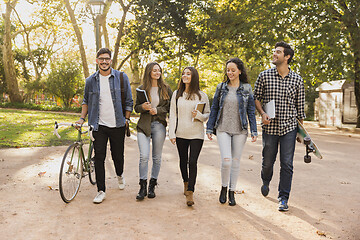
[
  {"x": 103, "y": 103},
  {"x": 286, "y": 88}
]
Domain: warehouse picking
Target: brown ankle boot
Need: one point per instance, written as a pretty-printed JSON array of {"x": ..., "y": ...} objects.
[
  {"x": 186, "y": 184},
  {"x": 190, "y": 198}
]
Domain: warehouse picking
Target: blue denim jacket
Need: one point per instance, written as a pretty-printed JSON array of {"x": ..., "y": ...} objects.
[
  {"x": 246, "y": 107},
  {"x": 92, "y": 94}
]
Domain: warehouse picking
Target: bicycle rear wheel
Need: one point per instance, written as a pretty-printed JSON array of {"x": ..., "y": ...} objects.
[
  {"x": 71, "y": 171},
  {"x": 92, "y": 176}
]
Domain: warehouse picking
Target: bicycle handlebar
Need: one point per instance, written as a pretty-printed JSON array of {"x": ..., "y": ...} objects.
[{"x": 90, "y": 129}]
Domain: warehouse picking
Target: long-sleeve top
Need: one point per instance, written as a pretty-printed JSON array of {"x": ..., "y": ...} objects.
[
  {"x": 181, "y": 120},
  {"x": 289, "y": 96}
]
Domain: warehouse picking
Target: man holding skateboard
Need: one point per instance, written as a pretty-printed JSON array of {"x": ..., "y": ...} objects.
[{"x": 286, "y": 88}]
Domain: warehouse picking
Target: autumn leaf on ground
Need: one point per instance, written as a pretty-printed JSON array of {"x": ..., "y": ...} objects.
[
  {"x": 320, "y": 233},
  {"x": 50, "y": 188},
  {"x": 41, "y": 174},
  {"x": 251, "y": 157}
]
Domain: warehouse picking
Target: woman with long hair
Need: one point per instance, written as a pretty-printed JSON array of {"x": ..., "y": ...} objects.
[
  {"x": 233, "y": 105},
  {"x": 151, "y": 125},
  {"x": 189, "y": 110}
]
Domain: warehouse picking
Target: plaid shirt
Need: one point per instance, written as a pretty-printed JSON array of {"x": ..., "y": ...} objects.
[{"x": 289, "y": 96}]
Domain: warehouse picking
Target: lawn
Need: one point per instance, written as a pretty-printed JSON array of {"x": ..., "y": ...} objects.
[{"x": 29, "y": 128}]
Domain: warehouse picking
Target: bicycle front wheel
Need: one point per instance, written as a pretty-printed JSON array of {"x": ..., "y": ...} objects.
[{"x": 71, "y": 171}]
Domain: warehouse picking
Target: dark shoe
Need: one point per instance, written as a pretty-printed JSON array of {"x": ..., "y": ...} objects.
[
  {"x": 152, "y": 184},
  {"x": 142, "y": 192},
  {"x": 222, "y": 198},
  {"x": 283, "y": 207},
  {"x": 231, "y": 198},
  {"x": 265, "y": 190},
  {"x": 190, "y": 198}
]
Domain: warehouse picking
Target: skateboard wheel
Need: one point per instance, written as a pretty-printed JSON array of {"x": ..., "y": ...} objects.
[
  {"x": 307, "y": 159},
  {"x": 307, "y": 140}
]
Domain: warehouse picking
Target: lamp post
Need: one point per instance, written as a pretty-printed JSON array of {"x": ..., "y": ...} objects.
[{"x": 97, "y": 8}]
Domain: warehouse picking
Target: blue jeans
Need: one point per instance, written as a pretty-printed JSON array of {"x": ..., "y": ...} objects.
[
  {"x": 270, "y": 150},
  {"x": 158, "y": 133}
]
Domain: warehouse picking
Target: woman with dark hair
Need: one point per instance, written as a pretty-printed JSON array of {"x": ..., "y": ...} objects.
[
  {"x": 231, "y": 126},
  {"x": 151, "y": 125},
  {"x": 186, "y": 126}
]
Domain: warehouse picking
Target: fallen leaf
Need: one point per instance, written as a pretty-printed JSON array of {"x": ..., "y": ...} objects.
[
  {"x": 239, "y": 191},
  {"x": 251, "y": 157},
  {"x": 41, "y": 174},
  {"x": 320, "y": 233}
]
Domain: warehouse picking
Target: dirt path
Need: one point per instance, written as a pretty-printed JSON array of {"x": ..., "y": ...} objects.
[{"x": 324, "y": 198}]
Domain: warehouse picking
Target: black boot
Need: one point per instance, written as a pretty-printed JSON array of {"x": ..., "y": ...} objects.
[
  {"x": 142, "y": 192},
  {"x": 152, "y": 184},
  {"x": 222, "y": 197},
  {"x": 231, "y": 198}
]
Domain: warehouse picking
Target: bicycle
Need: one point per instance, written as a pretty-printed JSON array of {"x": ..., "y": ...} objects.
[{"x": 74, "y": 165}]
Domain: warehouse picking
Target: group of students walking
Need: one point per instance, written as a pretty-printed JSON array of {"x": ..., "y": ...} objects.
[{"x": 108, "y": 102}]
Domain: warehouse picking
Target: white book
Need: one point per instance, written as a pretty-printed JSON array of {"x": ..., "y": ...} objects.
[{"x": 269, "y": 108}]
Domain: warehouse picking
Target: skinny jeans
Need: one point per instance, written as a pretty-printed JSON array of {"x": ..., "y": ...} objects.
[
  {"x": 231, "y": 147},
  {"x": 158, "y": 133},
  {"x": 189, "y": 150}
]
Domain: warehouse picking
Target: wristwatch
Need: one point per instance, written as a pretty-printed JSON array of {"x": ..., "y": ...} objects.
[{"x": 127, "y": 120}]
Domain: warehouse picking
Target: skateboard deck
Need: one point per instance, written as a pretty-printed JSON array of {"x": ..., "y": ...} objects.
[{"x": 302, "y": 133}]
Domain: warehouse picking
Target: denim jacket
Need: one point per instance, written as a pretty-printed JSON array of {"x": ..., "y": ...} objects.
[
  {"x": 92, "y": 95},
  {"x": 246, "y": 107}
]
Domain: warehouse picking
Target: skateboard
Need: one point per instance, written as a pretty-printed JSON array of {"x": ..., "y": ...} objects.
[{"x": 305, "y": 138}]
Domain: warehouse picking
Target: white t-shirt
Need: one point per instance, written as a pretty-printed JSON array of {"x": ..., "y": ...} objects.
[{"x": 106, "y": 106}]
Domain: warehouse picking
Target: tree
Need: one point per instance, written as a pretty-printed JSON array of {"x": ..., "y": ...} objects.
[
  {"x": 65, "y": 80},
  {"x": 78, "y": 37},
  {"x": 8, "y": 56}
]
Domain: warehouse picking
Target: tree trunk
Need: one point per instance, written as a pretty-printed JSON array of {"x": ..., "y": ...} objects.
[
  {"x": 135, "y": 79},
  {"x": 8, "y": 57},
  {"x": 102, "y": 19},
  {"x": 120, "y": 33},
  {"x": 78, "y": 37}
]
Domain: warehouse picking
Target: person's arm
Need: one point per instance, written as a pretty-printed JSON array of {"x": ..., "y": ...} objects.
[
  {"x": 129, "y": 103},
  {"x": 84, "y": 111},
  {"x": 264, "y": 116},
  {"x": 172, "y": 119},
  {"x": 258, "y": 96},
  {"x": 213, "y": 113}
]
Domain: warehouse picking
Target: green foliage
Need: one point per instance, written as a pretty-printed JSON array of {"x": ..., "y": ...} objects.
[
  {"x": 41, "y": 107},
  {"x": 65, "y": 80}
]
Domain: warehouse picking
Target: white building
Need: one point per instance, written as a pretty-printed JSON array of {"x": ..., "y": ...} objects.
[{"x": 336, "y": 103}]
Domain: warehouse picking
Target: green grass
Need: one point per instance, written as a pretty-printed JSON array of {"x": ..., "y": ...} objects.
[
  {"x": 27, "y": 128},
  {"x": 30, "y": 128}
]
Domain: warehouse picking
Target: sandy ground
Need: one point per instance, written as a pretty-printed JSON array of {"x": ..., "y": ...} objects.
[{"x": 324, "y": 202}]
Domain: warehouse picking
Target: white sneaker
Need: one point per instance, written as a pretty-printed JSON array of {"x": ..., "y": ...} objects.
[
  {"x": 99, "y": 197},
  {"x": 121, "y": 181}
]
